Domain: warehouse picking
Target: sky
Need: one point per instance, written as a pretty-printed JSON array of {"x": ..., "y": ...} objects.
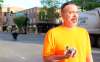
[{"x": 22, "y": 3}]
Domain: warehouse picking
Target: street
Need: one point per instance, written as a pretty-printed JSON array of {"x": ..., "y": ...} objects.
[
  {"x": 96, "y": 54},
  {"x": 27, "y": 48}
]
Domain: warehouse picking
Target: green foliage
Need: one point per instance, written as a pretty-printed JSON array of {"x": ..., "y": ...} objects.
[
  {"x": 48, "y": 11},
  {"x": 42, "y": 14},
  {"x": 87, "y": 4},
  {"x": 92, "y": 5},
  {"x": 20, "y": 21},
  {"x": 50, "y": 3},
  {"x": 48, "y": 14},
  {"x": 51, "y": 13},
  {"x": 1, "y": 1}
]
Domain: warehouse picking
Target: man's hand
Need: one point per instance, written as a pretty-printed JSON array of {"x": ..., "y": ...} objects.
[{"x": 70, "y": 52}]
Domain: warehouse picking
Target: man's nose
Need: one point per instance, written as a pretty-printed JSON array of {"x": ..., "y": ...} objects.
[{"x": 75, "y": 15}]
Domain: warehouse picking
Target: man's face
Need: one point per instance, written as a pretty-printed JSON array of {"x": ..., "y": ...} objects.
[{"x": 70, "y": 15}]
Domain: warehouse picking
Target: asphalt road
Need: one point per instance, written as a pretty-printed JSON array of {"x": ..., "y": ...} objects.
[{"x": 27, "y": 48}]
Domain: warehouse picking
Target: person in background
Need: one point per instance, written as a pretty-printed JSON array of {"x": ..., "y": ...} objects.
[
  {"x": 67, "y": 42},
  {"x": 14, "y": 32}
]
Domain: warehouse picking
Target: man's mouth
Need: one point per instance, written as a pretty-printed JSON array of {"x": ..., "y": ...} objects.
[{"x": 74, "y": 20}]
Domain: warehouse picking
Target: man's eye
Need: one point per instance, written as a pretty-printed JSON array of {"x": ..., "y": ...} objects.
[{"x": 72, "y": 12}]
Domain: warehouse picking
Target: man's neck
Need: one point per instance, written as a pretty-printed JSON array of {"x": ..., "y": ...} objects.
[{"x": 68, "y": 27}]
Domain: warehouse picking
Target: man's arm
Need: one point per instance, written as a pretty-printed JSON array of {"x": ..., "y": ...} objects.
[
  {"x": 89, "y": 53},
  {"x": 89, "y": 58},
  {"x": 55, "y": 58}
]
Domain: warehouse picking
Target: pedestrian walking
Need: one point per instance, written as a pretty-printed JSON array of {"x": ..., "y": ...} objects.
[{"x": 14, "y": 32}]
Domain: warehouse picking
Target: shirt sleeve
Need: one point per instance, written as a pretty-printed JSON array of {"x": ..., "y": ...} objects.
[
  {"x": 48, "y": 45},
  {"x": 88, "y": 43},
  {"x": 88, "y": 49}
]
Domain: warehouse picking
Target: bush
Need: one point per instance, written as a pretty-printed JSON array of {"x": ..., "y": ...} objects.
[{"x": 20, "y": 21}]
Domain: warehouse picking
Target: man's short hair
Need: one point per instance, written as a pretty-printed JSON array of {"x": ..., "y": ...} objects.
[{"x": 67, "y": 3}]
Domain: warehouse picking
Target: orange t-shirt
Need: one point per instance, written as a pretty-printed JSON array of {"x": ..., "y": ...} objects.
[{"x": 58, "y": 38}]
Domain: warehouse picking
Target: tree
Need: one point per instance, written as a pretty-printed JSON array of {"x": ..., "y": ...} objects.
[
  {"x": 21, "y": 21},
  {"x": 52, "y": 14},
  {"x": 50, "y": 3},
  {"x": 1, "y": 1},
  {"x": 1, "y": 21},
  {"x": 43, "y": 13},
  {"x": 92, "y": 5},
  {"x": 87, "y": 4},
  {"x": 49, "y": 10}
]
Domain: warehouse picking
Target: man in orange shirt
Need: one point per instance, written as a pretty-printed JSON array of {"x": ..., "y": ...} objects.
[{"x": 67, "y": 42}]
